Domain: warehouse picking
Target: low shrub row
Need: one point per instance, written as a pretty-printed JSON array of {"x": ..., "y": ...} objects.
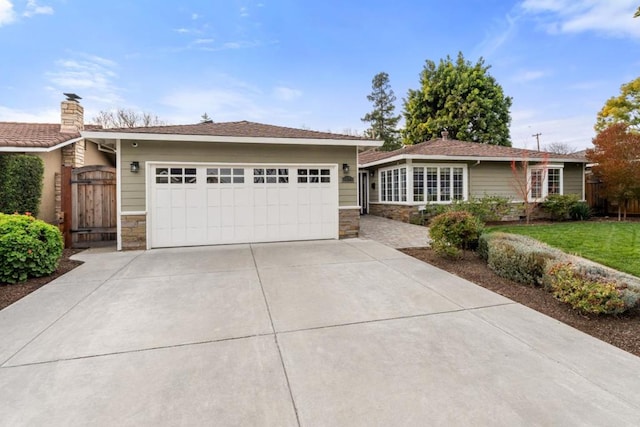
[
  {"x": 28, "y": 248},
  {"x": 453, "y": 232},
  {"x": 566, "y": 206},
  {"x": 586, "y": 287}
]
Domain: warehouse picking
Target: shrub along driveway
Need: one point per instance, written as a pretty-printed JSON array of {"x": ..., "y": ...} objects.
[{"x": 310, "y": 333}]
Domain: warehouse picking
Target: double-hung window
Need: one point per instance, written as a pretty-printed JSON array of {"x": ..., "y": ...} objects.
[
  {"x": 439, "y": 183},
  {"x": 544, "y": 181},
  {"x": 393, "y": 185}
]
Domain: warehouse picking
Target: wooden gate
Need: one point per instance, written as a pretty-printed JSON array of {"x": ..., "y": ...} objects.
[{"x": 93, "y": 205}]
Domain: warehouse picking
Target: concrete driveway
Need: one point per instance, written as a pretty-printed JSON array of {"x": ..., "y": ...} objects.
[{"x": 327, "y": 333}]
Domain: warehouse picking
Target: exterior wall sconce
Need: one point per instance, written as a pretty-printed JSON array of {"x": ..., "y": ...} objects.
[
  {"x": 345, "y": 168},
  {"x": 135, "y": 167},
  {"x": 372, "y": 174}
]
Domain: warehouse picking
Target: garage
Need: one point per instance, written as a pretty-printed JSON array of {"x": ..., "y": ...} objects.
[
  {"x": 204, "y": 204},
  {"x": 214, "y": 183}
]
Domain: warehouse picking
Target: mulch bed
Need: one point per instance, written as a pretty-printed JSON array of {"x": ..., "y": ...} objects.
[
  {"x": 12, "y": 293},
  {"x": 622, "y": 331}
]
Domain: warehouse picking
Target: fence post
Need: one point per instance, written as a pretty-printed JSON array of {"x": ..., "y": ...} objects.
[{"x": 65, "y": 181}]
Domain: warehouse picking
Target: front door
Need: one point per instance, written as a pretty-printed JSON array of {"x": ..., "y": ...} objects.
[{"x": 363, "y": 193}]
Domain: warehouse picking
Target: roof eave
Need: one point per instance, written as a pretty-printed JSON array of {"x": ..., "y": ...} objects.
[
  {"x": 463, "y": 158},
  {"x": 231, "y": 139},
  {"x": 16, "y": 149}
]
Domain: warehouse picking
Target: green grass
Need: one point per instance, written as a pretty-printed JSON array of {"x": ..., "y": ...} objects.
[{"x": 614, "y": 244}]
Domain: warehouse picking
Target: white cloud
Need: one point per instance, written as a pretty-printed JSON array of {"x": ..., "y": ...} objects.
[
  {"x": 203, "y": 41},
  {"x": 8, "y": 114},
  {"x": 286, "y": 94},
  {"x": 90, "y": 76},
  {"x": 528, "y": 76},
  {"x": 7, "y": 14},
  {"x": 611, "y": 18},
  {"x": 498, "y": 36},
  {"x": 195, "y": 16},
  {"x": 244, "y": 12},
  {"x": 33, "y": 8}
]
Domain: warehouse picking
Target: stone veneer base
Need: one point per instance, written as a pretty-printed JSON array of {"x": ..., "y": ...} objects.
[{"x": 349, "y": 223}]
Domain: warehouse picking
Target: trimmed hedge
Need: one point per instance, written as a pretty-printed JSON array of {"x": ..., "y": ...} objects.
[
  {"x": 28, "y": 248},
  {"x": 560, "y": 206},
  {"x": 21, "y": 178},
  {"x": 584, "y": 285}
]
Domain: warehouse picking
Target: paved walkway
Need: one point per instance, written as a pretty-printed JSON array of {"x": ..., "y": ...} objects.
[
  {"x": 392, "y": 233},
  {"x": 327, "y": 333}
]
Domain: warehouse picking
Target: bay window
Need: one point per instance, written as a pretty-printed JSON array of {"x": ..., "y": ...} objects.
[
  {"x": 393, "y": 185},
  {"x": 442, "y": 183}
]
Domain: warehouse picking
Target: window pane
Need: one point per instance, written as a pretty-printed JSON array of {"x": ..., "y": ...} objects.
[
  {"x": 212, "y": 171},
  {"x": 238, "y": 180},
  {"x": 383, "y": 186},
  {"x": 432, "y": 184},
  {"x": 258, "y": 179},
  {"x": 553, "y": 181},
  {"x": 190, "y": 171},
  {"x": 418, "y": 184},
  {"x": 271, "y": 171},
  {"x": 302, "y": 171},
  {"x": 162, "y": 171},
  {"x": 212, "y": 180},
  {"x": 239, "y": 171},
  {"x": 325, "y": 172},
  {"x": 283, "y": 179},
  {"x": 176, "y": 171},
  {"x": 176, "y": 180},
  {"x": 271, "y": 179},
  {"x": 325, "y": 179},
  {"x": 403, "y": 184},
  {"x": 225, "y": 180},
  {"x": 313, "y": 171},
  {"x": 190, "y": 179},
  {"x": 396, "y": 185},
  {"x": 536, "y": 184},
  {"x": 283, "y": 171},
  {"x": 458, "y": 184},
  {"x": 445, "y": 184},
  {"x": 225, "y": 171},
  {"x": 258, "y": 171},
  {"x": 302, "y": 179},
  {"x": 162, "y": 180}
]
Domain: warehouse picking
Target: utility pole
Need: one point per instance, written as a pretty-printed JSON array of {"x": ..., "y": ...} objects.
[{"x": 537, "y": 137}]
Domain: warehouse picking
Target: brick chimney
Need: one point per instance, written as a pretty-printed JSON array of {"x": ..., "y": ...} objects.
[
  {"x": 72, "y": 121},
  {"x": 72, "y": 114},
  {"x": 445, "y": 135}
]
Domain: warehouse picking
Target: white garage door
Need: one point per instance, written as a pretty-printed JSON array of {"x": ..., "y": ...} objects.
[{"x": 215, "y": 204}]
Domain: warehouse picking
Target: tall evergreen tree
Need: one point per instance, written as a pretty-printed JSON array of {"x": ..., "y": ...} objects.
[
  {"x": 460, "y": 97},
  {"x": 382, "y": 120}
]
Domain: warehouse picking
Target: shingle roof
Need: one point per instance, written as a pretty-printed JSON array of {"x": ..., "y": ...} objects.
[
  {"x": 455, "y": 148},
  {"x": 239, "y": 129},
  {"x": 33, "y": 135}
]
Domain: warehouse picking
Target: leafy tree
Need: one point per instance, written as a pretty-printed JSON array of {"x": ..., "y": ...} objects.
[
  {"x": 635, "y": 15},
  {"x": 205, "y": 118},
  {"x": 616, "y": 158},
  {"x": 462, "y": 98},
  {"x": 383, "y": 121},
  {"x": 624, "y": 108},
  {"x": 126, "y": 118}
]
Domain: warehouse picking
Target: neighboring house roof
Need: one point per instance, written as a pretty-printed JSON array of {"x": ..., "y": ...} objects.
[
  {"x": 451, "y": 149},
  {"x": 16, "y": 136},
  {"x": 242, "y": 131}
]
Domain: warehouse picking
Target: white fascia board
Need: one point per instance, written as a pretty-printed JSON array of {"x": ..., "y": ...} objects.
[
  {"x": 461, "y": 158},
  {"x": 39, "y": 149},
  {"x": 231, "y": 139}
]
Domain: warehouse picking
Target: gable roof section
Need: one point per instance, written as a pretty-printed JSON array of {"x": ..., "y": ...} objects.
[
  {"x": 242, "y": 131},
  {"x": 16, "y": 136},
  {"x": 451, "y": 149}
]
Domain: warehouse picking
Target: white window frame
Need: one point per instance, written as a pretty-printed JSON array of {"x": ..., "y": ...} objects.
[
  {"x": 401, "y": 193},
  {"x": 545, "y": 181},
  {"x": 438, "y": 166}
]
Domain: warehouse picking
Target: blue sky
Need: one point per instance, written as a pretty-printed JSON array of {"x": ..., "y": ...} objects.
[{"x": 310, "y": 64}]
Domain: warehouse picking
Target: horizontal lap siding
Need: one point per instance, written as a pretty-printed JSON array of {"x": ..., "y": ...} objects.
[
  {"x": 573, "y": 179},
  {"x": 492, "y": 179},
  {"x": 134, "y": 188}
]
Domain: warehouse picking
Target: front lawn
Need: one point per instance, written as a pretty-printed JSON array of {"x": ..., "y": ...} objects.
[{"x": 614, "y": 244}]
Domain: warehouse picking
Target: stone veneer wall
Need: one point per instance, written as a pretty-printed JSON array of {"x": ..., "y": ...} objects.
[
  {"x": 397, "y": 212},
  {"x": 133, "y": 232},
  {"x": 349, "y": 223}
]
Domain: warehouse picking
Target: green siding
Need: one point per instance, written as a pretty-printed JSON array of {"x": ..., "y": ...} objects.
[
  {"x": 133, "y": 188},
  {"x": 495, "y": 179}
]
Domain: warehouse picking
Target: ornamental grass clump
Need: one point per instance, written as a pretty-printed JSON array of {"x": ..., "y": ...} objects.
[
  {"x": 28, "y": 248},
  {"x": 590, "y": 293},
  {"x": 453, "y": 232}
]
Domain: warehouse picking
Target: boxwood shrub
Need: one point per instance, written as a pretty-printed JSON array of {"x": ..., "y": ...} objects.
[
  {"x": 21, "y": 178},
  {"x": 28, "y": 248}
]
